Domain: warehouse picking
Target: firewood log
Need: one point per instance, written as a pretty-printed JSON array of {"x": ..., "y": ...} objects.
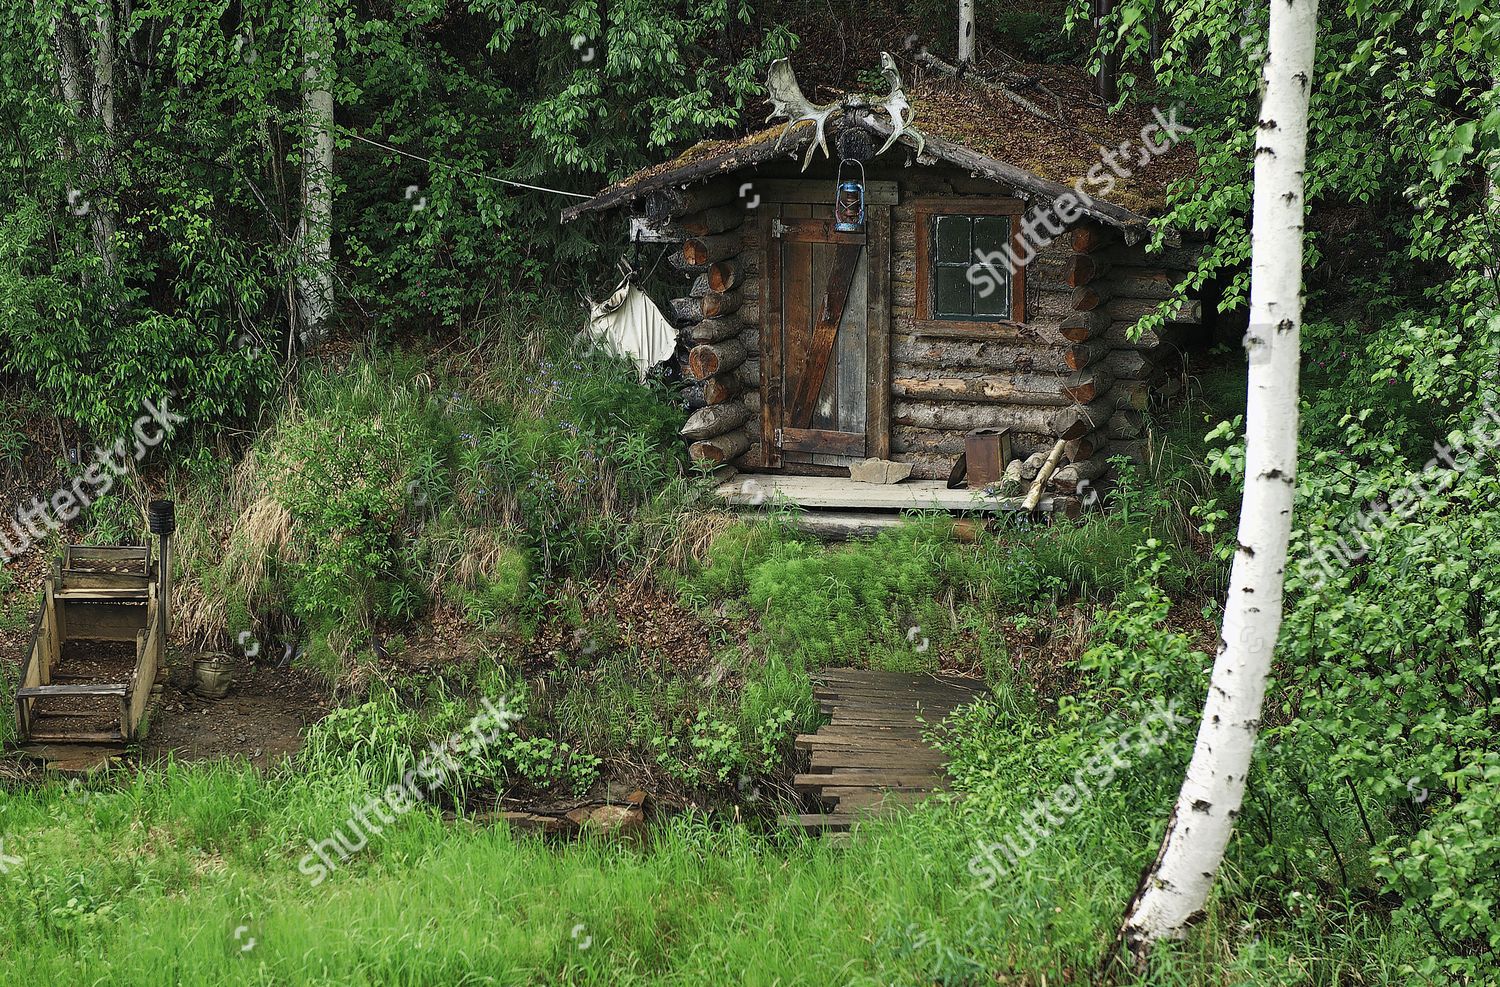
[
  {"x": 723, "y": 275},
  {"x": 1090, "y": 237},
  {"x": 720, "y": 448},
  {"x": 709, "y": 221},
  {"x": 1077, "y": 450},
  {"x": 704, "y": 250},
  {"x": 1092, "y": 296},
  {"x": 707, "y": 359},
  {"x": 1126, "y": 423},
  {"x": 1087, "y": 385},
  {"x": 714, "y": 304},
  {"x": 715, "y": 419},
  {"x": 682, "y": 312},
  {"x": 663, "y": 204},
  {"x": 1080, "y": 269},
  {"x": 1034, "y": 497},
  {"x": 1079, "y": 327},
  {"x": 1085, "y": 354},
  {"x": 717, "y": 330}
]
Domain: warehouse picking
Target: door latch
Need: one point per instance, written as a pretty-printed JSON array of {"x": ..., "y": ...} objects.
[
  {"x": 776, "y": 438},
  {"x": 778, "y": 228}
]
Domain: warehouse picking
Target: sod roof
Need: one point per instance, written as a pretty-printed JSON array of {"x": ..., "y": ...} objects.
[{"x": 1057, "y": 140}]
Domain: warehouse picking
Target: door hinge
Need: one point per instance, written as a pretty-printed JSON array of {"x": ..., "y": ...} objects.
[{"x": 778, "y": 228}]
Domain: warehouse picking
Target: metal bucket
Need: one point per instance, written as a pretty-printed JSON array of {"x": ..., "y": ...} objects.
[{"x": 213, "y": 675}]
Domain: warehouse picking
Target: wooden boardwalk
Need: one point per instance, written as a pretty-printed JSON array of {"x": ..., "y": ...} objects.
[{"x": 872, "y": 757}]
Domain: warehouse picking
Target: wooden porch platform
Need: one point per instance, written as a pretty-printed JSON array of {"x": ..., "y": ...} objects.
[
  {"x": 871, "y": 757},
  {"x": 842, "y": 493}
]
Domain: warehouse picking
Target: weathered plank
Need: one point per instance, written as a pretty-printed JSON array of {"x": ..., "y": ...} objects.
[{"x": 874, "y": 756}]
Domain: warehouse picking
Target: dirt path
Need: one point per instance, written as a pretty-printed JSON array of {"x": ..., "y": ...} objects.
[{"x": 261, "y": 719}]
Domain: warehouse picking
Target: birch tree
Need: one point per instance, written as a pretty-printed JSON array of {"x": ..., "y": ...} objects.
[
  {"x": 315, "y": 234},
  {"x": 965, "y": 33},
  {"x": 1174, "y": 890}
]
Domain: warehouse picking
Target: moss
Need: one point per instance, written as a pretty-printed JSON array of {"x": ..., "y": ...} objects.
[{"x": 991, "y": 124}]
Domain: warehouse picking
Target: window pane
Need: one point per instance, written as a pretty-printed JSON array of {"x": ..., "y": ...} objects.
[
  {"x": 953, "y": 297},
  {"x": 997, "y": 303},
  {"x": 952, "y": 240},
  {"x": 991, "y": 233}
]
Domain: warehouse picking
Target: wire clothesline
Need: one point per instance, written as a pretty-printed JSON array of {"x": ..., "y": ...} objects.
[{"x": 463, "y": 171}]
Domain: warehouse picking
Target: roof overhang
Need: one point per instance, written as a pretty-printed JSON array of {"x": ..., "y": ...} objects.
[{"x": 779, "y": 142}]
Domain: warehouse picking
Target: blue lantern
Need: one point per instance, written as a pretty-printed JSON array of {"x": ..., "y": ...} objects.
[{"x": 849, "y": 200}]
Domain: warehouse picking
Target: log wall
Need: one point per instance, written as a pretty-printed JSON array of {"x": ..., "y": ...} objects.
[
  {"x": 717, "y": 320},
  {"x": 1072, "y": 371}
]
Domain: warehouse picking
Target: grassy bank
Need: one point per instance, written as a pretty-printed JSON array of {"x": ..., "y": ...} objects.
[{"x": 190, "y": 876}]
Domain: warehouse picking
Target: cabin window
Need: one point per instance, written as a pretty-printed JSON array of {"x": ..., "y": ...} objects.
[{"x": 965, "y": 281}]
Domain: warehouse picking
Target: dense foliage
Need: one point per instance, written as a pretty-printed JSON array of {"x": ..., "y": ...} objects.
[
  {"x": 152, "y": 245},
  {"x": 1386, "y": 701},
  {"x": 159, "y": 251}
]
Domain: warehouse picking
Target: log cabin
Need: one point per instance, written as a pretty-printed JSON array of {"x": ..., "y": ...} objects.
[{"x": 989, "y": 283}]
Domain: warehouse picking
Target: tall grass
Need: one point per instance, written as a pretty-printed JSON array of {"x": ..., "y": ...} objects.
[{"x": 171, "y": 879}]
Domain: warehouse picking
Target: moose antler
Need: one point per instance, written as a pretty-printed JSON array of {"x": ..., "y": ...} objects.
[
  {"x": 787, "y": 101},
  {"x": 898, "y": 106}
]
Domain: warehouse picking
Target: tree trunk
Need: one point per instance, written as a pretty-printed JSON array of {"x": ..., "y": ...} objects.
[
  {"x": 965, "y": 33},
  {"x": 68, "y": 46},
  {"x": 315, "y": 235},
  {"x": 1109, "y": 58},
  {"x": 1173, "y": 891}
]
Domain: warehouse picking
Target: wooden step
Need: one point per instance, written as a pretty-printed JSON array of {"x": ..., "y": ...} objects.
[
  {"x": 915, "y": 781},
  {"x": 41, "y": 736},
  {"x": 838, "y": 822},
  {"x": 71, "y": 714},
  {"x": 97, "y": 595},
  {"x": 859, "y": 742},
  {"x": 79, "y": 689},
  {"x": 74, "y": 758},
  {"x": 871, "y": 798},
  {"x": 874, "y": 756},
  {"x": 874, "y": 761}
]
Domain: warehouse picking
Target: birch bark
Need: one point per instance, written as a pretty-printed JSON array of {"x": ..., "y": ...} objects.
[
  {"x": 1174, "y": 890},
  {"x": 315, "y": 234}
]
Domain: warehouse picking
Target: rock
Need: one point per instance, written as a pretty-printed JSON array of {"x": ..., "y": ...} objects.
[
  {"x": 879, "y": 471},
  {"x": 607, "y": 818}
]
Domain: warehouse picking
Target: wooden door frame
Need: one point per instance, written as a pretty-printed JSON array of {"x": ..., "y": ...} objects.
[{"x": 877, "y": 337}]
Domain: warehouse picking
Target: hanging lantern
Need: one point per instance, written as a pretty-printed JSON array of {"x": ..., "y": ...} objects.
[{"x": 849, "y": 200}]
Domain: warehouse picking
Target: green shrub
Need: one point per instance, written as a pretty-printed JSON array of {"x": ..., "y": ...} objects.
[
  {"x": 1449, "y": 873},
  {"x": 732, "y": 556},
  {"x": 501, "y": 591},
  {"x": 346, "y": 470},
  {"x": 872, "y": 602},
  {"x": 568, "y": 476}
]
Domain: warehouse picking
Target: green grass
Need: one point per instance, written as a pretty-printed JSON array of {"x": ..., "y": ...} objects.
[{"x": 150, "y": 885}]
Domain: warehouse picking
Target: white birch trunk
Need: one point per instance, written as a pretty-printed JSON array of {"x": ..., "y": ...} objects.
[
  {"x": 315, "y": 234},
  {"x": 965, "y": 33},
  {"x": 1174, "y": 890}
]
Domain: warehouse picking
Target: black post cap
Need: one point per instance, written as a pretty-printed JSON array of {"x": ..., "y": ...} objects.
[{"x": 161, "y": 517}]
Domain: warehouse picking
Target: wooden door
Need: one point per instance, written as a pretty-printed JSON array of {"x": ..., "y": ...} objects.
[{"x": 818, "y": 379}]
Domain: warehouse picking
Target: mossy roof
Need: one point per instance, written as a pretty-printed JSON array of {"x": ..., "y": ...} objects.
[{"x": 975, "y": 117}]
